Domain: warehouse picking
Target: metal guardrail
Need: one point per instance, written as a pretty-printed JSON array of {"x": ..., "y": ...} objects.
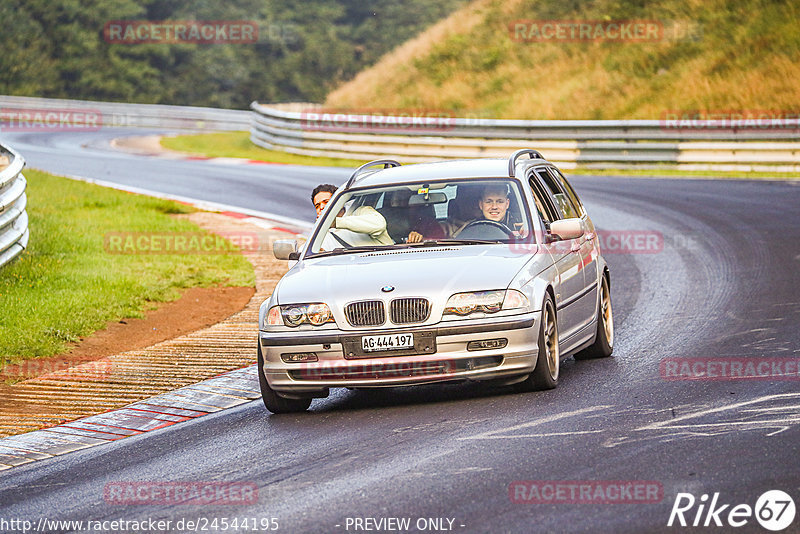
[
  {"x": 654, "y": 144},
  {"x": 18, "y": 113},
  {"x": 14, "y": 231}
]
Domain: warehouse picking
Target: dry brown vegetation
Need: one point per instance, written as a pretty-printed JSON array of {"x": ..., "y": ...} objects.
[{"x": 742, "y": 55}]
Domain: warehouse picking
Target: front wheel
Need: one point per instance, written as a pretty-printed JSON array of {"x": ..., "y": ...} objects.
[
  {"x": 545, "y": 374},
  {"x": 274, "y": 402},
  {"x": 603, "y": 344}
]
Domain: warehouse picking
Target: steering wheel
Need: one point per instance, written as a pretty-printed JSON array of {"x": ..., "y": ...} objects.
[{"x": 489, "y": 223}]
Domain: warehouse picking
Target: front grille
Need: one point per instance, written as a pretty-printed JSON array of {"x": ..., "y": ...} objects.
[
  {"x": 409, "y": 310},
  {"x": 365, "y": 313}
]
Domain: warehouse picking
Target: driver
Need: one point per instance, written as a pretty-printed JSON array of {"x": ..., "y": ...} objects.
[{"x": 494, "y": 203}]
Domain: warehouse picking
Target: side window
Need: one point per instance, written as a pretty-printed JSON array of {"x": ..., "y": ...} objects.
[
  {"x": 547, "y": 211},
  {"x": 381, "y": 202},
  {"x": 565, "y": 205},
  {"x": 565, "y": 185}
]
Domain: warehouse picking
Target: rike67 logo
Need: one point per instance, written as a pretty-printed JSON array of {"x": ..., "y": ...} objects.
[{"x": 774, "y": 510}]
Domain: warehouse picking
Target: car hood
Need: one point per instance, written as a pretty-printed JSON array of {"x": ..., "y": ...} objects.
[{"x": 435, "y": 273}]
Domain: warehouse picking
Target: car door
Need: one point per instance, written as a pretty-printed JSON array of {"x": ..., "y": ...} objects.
[
  {"x": 566, "y": 256},
  {"x": 584, "y": 303},
  {"x": 588, "y": 252}
]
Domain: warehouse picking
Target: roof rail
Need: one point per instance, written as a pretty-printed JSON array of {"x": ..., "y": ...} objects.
[
  {"x": 512, "y": 161},
  {"x": 387, "y": 164}
]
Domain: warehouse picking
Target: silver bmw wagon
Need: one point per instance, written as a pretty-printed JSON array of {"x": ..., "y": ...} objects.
[{"x": 483, "y": 269}]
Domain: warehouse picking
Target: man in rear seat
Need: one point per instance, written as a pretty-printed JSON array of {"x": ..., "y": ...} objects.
[{"x": 411, "y": 224}]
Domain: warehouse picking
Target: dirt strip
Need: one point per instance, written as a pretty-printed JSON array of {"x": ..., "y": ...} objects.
[{"x": 121, "y": 379}]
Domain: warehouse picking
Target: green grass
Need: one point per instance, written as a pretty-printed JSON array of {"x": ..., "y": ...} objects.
[
  {"x": 66, "y": 285},
  {"x": 238, "y": 145}
]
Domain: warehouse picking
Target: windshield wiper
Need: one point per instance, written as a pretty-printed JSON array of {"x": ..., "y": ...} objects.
[
  {"x": 435, "y": 242},
  {"x": 426, "y": 243},
  {"x": 360, "y": 248}
]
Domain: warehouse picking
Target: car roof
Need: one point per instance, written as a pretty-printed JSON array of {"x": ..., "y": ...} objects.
[{"x": 440, "y": 170}]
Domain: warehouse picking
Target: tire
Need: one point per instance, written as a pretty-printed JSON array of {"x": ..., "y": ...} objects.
[
  {"x": 274, "y": 402},
  {"x": 545, "y": 374},
  {"x": 603, "y": 344}
]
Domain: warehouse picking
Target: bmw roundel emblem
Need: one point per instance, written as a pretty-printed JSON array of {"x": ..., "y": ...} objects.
[{"x": 387, "y": 289}]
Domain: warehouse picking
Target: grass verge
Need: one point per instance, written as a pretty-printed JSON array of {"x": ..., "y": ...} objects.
[
  {"x": 238, "y": 145},
  {"x": 66, "y": 285}
]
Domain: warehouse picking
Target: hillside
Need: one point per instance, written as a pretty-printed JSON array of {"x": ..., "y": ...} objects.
[
  {"x": 300, "y": 51},
  {"x": 707, "y": 55}
]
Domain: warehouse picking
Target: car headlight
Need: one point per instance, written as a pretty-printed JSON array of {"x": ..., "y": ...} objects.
[
  {"x": 463, "y": 304},
  {"x": 294, "y": 315},
  {"x": 515, "y": 299}
]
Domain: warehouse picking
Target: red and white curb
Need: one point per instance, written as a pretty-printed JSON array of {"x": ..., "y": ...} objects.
[
  {"x": 227, "y": 161},
  {"x": 190, "y": 402},
  {"x": 160, "y": 152}
]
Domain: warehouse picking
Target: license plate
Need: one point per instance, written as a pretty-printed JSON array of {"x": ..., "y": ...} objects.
[{"x": 387, "y": 342}]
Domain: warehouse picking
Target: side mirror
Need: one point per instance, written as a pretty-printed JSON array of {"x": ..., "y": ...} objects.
[
  {"x": 567, "y": 228},
  {"x": 285, "y": 249}
]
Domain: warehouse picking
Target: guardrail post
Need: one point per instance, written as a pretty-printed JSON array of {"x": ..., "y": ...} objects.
[{"x": 14, "y": 230}]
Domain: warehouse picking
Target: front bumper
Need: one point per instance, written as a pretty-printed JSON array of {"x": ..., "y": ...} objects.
[{"x": 442, "y": 357}]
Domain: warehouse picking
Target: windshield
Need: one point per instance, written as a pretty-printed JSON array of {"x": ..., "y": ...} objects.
[{"x": 424, "y": 213}]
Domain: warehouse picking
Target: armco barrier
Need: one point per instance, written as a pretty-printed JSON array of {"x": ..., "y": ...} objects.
[
  {"x": 773, "y": 145},
  {"x": 13, "y": 218},
  {"x": 19, "y": 113}
]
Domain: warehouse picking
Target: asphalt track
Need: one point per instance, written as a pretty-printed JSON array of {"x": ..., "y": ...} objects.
[{"x": 725, "y": 284}]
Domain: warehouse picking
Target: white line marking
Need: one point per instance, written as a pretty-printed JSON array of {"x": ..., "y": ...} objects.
[
  {"x": 774, "y": 409},
  {"x": 492, "y": 434},
  {"x": 669, "y": 423},
  {"x": 544, "y": 435}
]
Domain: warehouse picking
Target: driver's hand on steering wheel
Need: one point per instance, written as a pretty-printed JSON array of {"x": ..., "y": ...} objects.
[{"x": 414, "y": 237}]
